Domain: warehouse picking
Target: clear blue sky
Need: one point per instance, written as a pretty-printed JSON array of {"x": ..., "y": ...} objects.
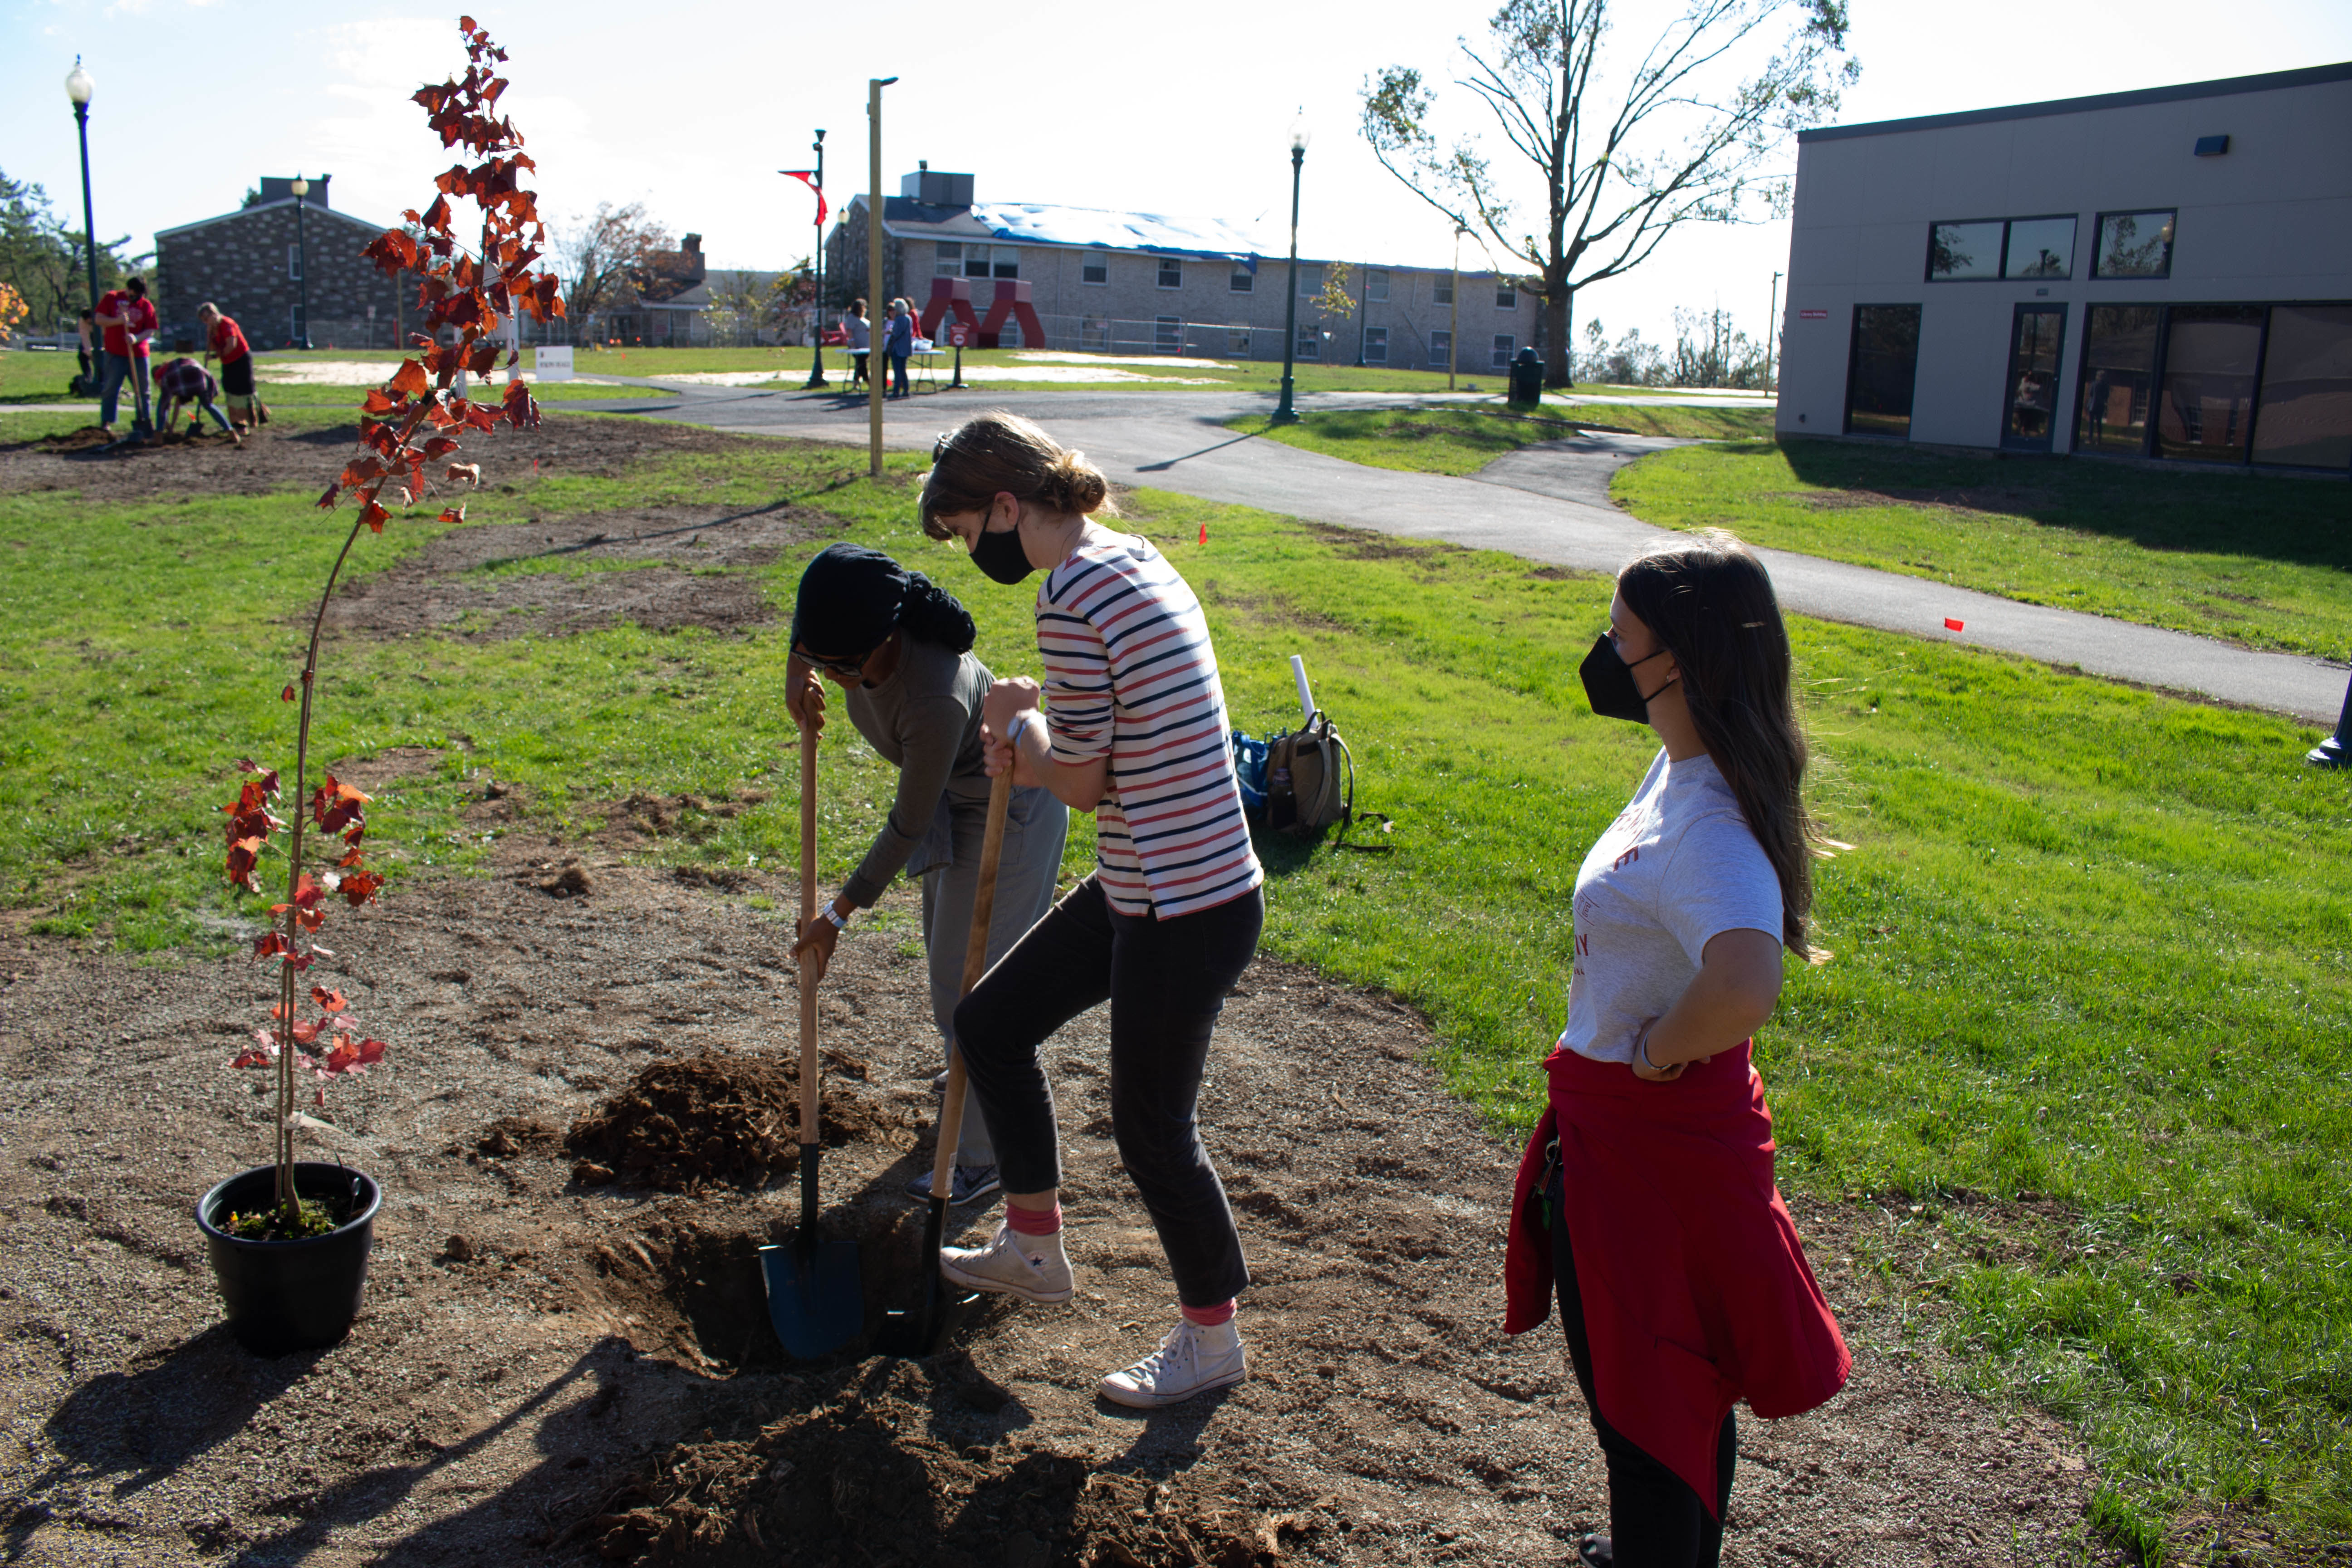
[{"x": 692, "y": 106}]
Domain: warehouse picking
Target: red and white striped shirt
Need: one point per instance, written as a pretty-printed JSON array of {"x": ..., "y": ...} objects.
[{"x": 1129, "y": 674}]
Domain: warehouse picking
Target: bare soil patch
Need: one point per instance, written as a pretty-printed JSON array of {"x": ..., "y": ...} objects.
[
  {"x": 547, "y": 1371},
  {"x": 719, "y": 1117},
  {"x": 659, "y": 567},
  {"x": 290, "y": 454}
]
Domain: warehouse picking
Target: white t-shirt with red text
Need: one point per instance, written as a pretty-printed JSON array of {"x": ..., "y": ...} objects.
[{"x": 1679, "y": 868}]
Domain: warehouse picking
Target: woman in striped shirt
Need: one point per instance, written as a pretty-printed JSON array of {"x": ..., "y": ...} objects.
[{"x": 1135, "y": 732}]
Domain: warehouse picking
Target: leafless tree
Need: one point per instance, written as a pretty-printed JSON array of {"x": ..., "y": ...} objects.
[
  {"x": 1624, "y": 158},
  {"x": 598, "y": 256}
]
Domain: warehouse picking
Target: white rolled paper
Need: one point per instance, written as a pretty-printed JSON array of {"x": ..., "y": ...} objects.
[{"x": 1306, "y": 698}]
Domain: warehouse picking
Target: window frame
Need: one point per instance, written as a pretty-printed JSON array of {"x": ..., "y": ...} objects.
[
  {"x": 1507, "y": 296},
  {"x": 1240, "y": 281},
  {"x": 1092, "y": 261},
  {"x": 2098, "y": 235},
  {"x": 1376, "y": 345},
  {"x": 1172, "y": 266},
  {"x": 2008, "y": 229},
  {"x": 1853, "y": 361},
  {"x": 998, "y": 268},
  {"x": 1441, "y": 288},
  {"x": 2001, "y": 254},
  {"x": 1505, "y": 345},
  {"x": 294, "y": 264},
  {"x": 941, "y": 260},
  {"x": 971, "y": 260},
  {"x": 1376, "y": 285},
  {"x": 1441, "y": 346},
  {"x": 1165, "y": 329}
]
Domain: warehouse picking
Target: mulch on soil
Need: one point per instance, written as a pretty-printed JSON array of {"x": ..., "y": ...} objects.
[
  {"x": 717, "y": 1116},
  {"x": 288, "y": 454}
]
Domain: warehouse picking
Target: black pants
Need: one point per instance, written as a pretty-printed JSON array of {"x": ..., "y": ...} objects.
[
  {"x": 1655, "y": 1520},
  {"x": 1166, "y": 981}
]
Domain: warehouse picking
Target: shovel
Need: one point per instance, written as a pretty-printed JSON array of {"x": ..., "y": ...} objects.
[
  {"x": 815, "y": 1297},
  {"x": 919, "y": 1332}
]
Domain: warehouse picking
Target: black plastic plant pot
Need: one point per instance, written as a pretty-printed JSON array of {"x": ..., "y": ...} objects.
[{"x": 286, "y": 1295}]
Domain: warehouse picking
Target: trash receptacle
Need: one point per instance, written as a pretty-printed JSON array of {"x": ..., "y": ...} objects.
[{"x": 1526, "y": 379}]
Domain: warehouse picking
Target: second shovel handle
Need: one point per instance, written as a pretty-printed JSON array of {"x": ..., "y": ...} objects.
[
  {"x": 975, "y": 965},
  {"x": 809, "y": 1130}
]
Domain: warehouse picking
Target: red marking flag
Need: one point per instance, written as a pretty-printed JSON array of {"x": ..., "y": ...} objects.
[
  {"x": 1952, "y": 625},
  {"x": 808, "y": 177}
]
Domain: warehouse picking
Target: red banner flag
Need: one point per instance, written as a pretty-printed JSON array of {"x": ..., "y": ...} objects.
[{"x": 808, "y": 177}]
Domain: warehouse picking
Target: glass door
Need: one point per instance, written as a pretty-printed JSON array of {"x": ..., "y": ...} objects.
[{"x": 2034, "y": 339}]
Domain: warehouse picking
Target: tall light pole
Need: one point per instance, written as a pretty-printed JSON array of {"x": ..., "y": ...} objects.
[
  {"x": 1454, "y": 312},
  {"x": 301, "y": 261},
  {"x": 816, "y": 370},
  {"x": 80, "y": 85},
  {"x": 1771, "y": 329},
  {"x": 873, "y": 354},
  {"x": 1299, "y": 136}
]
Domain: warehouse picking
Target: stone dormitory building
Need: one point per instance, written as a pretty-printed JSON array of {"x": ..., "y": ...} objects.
[
  {"x": 251, "y": 263},
  {"x": 1143, "y": 283},
  {"x": 2162, "y": 275}
]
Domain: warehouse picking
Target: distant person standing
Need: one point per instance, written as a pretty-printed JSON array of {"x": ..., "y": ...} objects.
[
  {"x": 861, "y": 332},
  {"x": 130, "y": 324},
  {"x": 898, "y": 342},
  {"x": 224, "y": 340},
  {"x": 184, "y": 380},
  {"x": 86, "y": 384}
]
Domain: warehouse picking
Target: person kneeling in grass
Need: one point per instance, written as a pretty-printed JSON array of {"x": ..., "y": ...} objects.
[
  {"x": 184, "y": 380},
  {"x": 1683, "y": 1287},
  {"x": 1136, "y": 734},
  {"x": 900, "y": 648}
]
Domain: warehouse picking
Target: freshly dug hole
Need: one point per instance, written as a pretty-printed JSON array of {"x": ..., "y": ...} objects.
[{"x": 716, "y": 1116}]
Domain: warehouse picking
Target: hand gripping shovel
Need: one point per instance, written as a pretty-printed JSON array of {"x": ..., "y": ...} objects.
[
  {"x": 814, "y": 1295},
  {"x": 919, "y": 1332}
]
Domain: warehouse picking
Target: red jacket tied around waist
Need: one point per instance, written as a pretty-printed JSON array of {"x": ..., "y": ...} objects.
[{"x": 1696, "y": 1291}]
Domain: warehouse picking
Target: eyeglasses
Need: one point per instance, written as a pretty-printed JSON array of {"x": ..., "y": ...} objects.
[{"x": 842, "y": 667}]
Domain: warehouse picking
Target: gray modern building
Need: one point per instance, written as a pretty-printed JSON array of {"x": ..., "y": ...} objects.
[
  {"x": 1126, "y": 282},
  {"x": 2164, "y": 274}
]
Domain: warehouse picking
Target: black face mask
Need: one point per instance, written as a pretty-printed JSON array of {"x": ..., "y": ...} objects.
[
  {"x": 1001, "y": 556},
  {"x": 1609, "y": 686}
]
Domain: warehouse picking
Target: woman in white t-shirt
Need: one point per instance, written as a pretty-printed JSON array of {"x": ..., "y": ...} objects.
[{"x": 1683, "y": 1287}]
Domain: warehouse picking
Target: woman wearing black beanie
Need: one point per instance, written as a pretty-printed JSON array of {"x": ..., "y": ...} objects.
[{"x": 900, "y": 648}]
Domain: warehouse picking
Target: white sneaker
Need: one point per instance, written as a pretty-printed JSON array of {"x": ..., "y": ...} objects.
[
  {"x": 1034, "y": 1267},
  {"x": 1191, "y": 1359}
]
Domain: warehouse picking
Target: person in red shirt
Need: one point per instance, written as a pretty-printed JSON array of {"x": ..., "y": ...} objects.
[
  {"x": 130, "y": 323},
  {"x": 224, "y": 340}
]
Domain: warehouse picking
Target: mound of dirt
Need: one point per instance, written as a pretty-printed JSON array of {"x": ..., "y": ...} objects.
[
  {"x": 863, "y": 1473},
  {"x": 716, "y": 1117}
]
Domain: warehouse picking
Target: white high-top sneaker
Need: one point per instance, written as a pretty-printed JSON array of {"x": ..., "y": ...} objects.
[
  {"x": 1191, "y": 1360},
  {"x": 1034, "y": 1267}
]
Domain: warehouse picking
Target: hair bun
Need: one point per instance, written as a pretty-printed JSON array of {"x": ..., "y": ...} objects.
[{"x": 1076, "y": 485}]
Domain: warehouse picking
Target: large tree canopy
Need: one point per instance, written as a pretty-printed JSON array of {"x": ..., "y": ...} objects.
[
  {"x": 1624, "y": 152},
  {"x": 601, "y": 255}
]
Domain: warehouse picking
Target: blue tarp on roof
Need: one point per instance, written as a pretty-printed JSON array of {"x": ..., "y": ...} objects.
[{"x": 1044, "y": 224}]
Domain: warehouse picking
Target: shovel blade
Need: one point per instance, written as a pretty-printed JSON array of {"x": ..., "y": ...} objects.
[
  {"x": 815, "y": 1298},
  {"x": 917, "y": 1332}
]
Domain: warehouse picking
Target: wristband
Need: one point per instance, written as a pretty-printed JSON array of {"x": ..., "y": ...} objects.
[
  {"x": 1019, "y": 719},
  {"x": 826, "y": 912}
]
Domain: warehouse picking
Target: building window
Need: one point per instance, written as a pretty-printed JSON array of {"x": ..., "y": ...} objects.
[
  {"x": 1376, "y": 283},
  {"x": 1237, "y": 343},
  {"x": 1441, "y": 348},
  {"x": 1094, "y": 332},
  {"x": 1243, "y": 281},
  {"x": 2205, "y": 408},
  {"x": 1506, "y": 297},
  {"x": 1310, "y": 282},
  {"x": 975, "y": 261},
  {"x": 1172, "y": 272},
  {"x": 1504, "y": 346},
  {"x": 296, "y": 331},
  {"x": 1008, "y": 261},
  {"x": 2305, "y": 416},
  {"x": 1094, "y": 267},
  {"x": 1376, "y": 345},
  {"x": 1883, "y": 369},
  {"x": 1310, "y": 341},
  {"x": 950, "y": 263},
  {"x": 2134, "y": 244},
  {"x": 293, "y": 264},
  {"x": 2117, "y": 378},
  {"x": 1442, "y": 291},
  {"x": 1168, "y": 334},
  {"x": 2039, "y": 248},
  {"x": 1960, "y": 251}
]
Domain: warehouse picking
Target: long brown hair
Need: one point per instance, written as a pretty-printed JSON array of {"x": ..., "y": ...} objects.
[
  {"x": 999, "y": 453},
  {"x": 1710, "y": 602}
]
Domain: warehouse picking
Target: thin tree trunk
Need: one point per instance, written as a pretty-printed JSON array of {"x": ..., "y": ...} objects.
[{"x": 1560, "y": 314}]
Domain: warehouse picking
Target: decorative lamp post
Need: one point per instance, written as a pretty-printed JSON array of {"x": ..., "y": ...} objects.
[
  {"x": 1299, "y": 136},
  {"x": 1454, "y": 312},
  {"x": 875, "y": 358},
  {"x": 816, "y": 370},
  {"x": 80, "y": 85},
  {"x": 302, "y": 265}
]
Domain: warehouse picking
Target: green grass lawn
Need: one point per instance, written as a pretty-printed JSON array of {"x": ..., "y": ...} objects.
[
  {"x": 2258, "y": 559},
  {"x": 1447, "y": 440},
  {"x": 2091, "y": 944}
]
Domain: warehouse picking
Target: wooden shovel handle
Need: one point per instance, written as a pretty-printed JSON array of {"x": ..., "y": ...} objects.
[
  {"x": 809, "y": 1130},
  {"x": 975, "y": 965}
]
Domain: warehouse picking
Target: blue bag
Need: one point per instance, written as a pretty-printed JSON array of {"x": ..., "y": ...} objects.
[{"x": 1249, "y": 768}]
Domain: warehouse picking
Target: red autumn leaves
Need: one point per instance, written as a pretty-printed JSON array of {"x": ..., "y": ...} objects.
[{"x": 344, "y": 1050}]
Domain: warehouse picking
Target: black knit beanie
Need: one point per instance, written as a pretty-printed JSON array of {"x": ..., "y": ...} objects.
[{"x": 849, "y": 601}]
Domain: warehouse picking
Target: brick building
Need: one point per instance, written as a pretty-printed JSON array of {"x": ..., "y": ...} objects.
[
  {"x": 1138, "y": 283},
  {"x": 247, "y": 262}
]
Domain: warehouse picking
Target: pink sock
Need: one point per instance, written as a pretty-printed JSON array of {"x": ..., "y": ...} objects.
[
  {"x": 1032, "y": 1222},
  {"x": 1209, "y": 1317}
]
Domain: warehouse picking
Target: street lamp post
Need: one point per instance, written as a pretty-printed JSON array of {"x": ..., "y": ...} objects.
[
  {"x": 80, "y": 85},
  {"x": 875, "y": 358},
  {"x": 1454, "y": 312},
  {"x": 301, "y": 263},
  {"x": 1771, "y": 329},
  {"x": 1299, "y": 136},
  {"x": 816, "y": 369}
]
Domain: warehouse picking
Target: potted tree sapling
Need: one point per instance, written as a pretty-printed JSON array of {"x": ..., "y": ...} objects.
[{"x": 289, "y": 1240}]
